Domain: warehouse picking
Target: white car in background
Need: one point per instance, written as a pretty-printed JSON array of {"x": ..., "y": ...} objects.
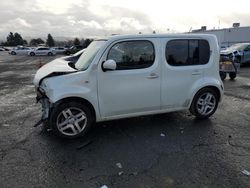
[
  {"x": 42, "y": 51},
  {"x": 59, "y": 50},
  {"x": 19, "y": 51}
]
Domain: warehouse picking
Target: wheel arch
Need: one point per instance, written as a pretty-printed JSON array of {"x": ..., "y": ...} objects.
[
  {"x": 80, "y": 100},
  {"x": 216, "y": 89}
]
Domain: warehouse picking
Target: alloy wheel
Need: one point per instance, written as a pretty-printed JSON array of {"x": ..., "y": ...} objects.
[
  {"x": 71, "y": 121},
  {"x": 206, "y": 104}
]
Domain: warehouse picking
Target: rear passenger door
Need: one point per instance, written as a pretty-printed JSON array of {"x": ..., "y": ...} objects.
[{"x": 183, "y": 66}]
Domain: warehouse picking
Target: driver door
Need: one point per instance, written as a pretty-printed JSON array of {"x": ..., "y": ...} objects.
[{"x": 134, "y": 87}]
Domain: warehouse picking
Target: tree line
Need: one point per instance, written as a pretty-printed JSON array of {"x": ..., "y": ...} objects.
[{"x": 15, "y": 39}]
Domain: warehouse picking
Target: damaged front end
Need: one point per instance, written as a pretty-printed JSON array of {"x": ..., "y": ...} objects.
[{"x": 46, "y": 107}]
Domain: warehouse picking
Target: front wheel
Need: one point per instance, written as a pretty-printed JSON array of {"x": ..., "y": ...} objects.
[
  {"x": 204, "y": 103},
  {"x": 50, "y": 54},
  {"x": 71, "y": 119}
]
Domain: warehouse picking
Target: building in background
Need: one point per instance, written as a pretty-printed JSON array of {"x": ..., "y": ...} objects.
[{"x": 228, "y": 36}]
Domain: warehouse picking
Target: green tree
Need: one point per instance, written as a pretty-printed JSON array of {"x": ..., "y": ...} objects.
[
  {"x": 77, "y": 42},
  {"x": 36, "y": 42},
  {"x": 50, "y": 41},
  {"x": 18, "y": 39},
  {"x": 87, "y": 42},
  {"x": 10, "y": 40},
  {"x": 14, "y": 39}
]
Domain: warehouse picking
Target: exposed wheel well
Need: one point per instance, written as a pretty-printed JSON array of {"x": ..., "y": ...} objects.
[{"x": 80, "y": 100}]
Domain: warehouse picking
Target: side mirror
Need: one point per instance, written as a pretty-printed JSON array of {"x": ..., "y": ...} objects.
[{"x": 109, "y": 65}]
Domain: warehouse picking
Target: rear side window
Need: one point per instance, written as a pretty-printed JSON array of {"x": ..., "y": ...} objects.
[
  {"x": 132, "y": 54},
  {"x": 185, "y": 52}
]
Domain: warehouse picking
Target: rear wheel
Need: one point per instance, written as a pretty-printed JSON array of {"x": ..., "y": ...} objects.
[
  {"x": 13, "y": 53},
  {"x": 32, "y": 54},
  {"x": 71, "y": 119},
  {"x": 204, "y": 103},
  {"x": 232, "y": 75},
  {"x": 50, "y": 54}
]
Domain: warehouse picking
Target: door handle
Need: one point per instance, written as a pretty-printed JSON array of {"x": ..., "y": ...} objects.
[{"x": 152, "y": 76}]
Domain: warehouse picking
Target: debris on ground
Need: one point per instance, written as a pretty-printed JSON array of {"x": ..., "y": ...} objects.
[
  {"x": 162, "y": 135},
  {"x": 120, "y": 173},
  {"x": 246, "y": 172},
  {"x": 119, "y": 165}
]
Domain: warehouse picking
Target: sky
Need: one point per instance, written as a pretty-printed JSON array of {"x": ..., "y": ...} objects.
[{"x": 93, "y": 18}]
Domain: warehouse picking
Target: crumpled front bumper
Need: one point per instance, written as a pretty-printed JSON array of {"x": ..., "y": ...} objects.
[{"x": 46, "y": 106}]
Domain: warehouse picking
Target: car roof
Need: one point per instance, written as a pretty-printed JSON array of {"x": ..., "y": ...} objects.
[{"x": 143, "y": 36}]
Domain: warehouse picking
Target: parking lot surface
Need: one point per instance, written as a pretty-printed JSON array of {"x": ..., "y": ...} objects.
[{"x": 168, "y": 150}]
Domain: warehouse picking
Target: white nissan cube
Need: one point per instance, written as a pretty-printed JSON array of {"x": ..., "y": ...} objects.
[{"x": 127, "y": 76}]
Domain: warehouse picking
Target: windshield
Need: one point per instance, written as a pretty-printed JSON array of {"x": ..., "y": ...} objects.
[
  {"x": 239, "y": 47},
  {"x": 89, "y": 54}
]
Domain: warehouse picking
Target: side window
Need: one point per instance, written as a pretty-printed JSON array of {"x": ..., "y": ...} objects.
[
  {"x": 185, "y": 52},
  {"x": 132, "y": 54}
]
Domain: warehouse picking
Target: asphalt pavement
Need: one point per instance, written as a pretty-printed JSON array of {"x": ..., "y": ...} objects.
[{"x": 168, "y": 150}]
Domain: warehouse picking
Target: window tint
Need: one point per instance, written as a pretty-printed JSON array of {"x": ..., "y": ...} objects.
[
  {"x": 132, "y": 54},
  {"x": 187, "y": 52}
]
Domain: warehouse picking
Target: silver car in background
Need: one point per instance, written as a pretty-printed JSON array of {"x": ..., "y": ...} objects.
[
  {"x": 19, "y": 51},
  {"x": 42, "y": 51},
  {"x": 59, "y": 50}
]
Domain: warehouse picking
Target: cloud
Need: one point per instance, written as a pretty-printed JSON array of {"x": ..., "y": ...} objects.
[
  {"x": 34, "y": 20},
  {"x": 90, "y": 18}
]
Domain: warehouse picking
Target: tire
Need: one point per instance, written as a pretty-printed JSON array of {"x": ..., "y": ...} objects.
[
  {"x": 71, "y": 119},
  {"x": 13, "y": 53},
  {"x": 32, "y": 54},
  {"x": 223, "y": 75},
  {"x": 232, "y": 75},
  {"x": 204, "y": 103},
  {"x": 50, "y": 54}
]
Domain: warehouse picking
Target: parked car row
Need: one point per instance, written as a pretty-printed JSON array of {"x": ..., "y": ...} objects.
[{"x": 20, "y": 50}]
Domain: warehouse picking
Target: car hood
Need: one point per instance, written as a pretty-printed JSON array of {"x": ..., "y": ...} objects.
[{"x": 56, "y": 66}]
